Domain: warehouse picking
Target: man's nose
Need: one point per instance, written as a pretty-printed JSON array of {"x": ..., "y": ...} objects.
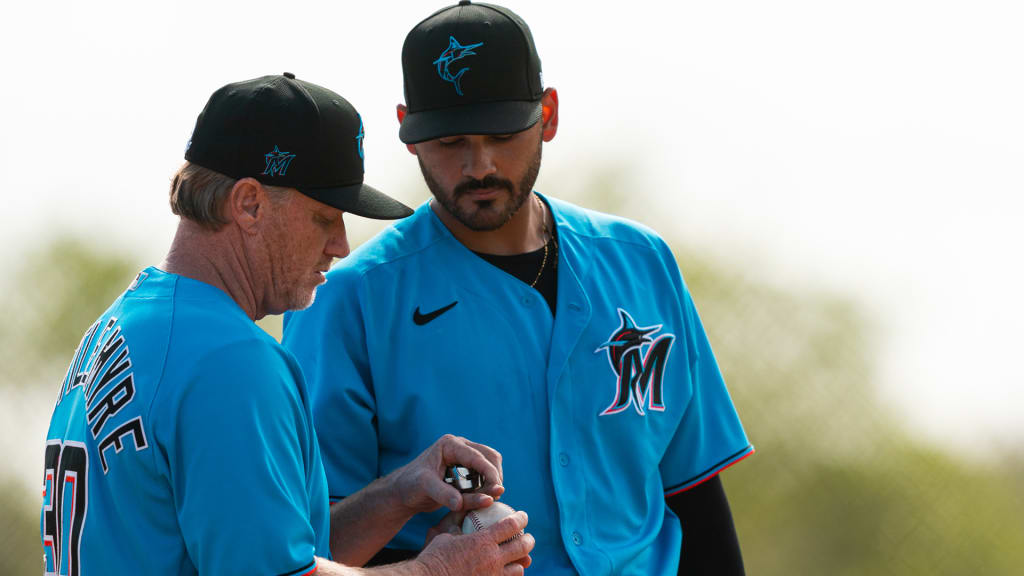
[
  {"x": 337, "y": 244},
  {"x": 478, "y": 161}
]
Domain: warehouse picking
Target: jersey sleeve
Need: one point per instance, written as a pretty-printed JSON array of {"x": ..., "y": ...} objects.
[
  {"x": 710, "y": 437},
  {"x": 329, "y": 341},
  {"x": 238, "y": 460}
]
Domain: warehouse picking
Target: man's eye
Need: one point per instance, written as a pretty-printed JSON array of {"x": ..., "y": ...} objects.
[{"x": 449, "y": 141}]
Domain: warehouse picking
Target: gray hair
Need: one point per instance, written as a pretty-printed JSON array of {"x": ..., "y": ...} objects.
[{"x": 198, "y": 194}]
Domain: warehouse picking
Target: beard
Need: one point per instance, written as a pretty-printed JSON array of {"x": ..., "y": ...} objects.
[
  {"x": 491, "y": 214},
  {"x": 302, "y": 298}
]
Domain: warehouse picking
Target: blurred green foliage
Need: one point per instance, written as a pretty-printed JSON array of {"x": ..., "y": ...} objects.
[
  {"x": 837, "y": 486},
  {"x": 51, "y": 299},
  {"x": 21, "y": 553},
  {"x": 58, "y": 292}
]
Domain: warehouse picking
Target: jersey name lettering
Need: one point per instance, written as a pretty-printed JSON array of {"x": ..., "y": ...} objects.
[{"x": 108, "y": 385}]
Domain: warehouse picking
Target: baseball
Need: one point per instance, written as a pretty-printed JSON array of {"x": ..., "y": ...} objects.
[{"x": 483, "y": 517}]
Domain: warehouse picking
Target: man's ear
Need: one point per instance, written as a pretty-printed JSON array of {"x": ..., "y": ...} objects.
[
  {"x": 549, "y": 117},
  {"x": 402, "y": 110},
  {"x": 246, "y": 204}
]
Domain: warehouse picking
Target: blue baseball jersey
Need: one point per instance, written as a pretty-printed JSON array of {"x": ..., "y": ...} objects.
[
  {"x": 598, "y": 411},
  {"x": 182, "y": 443}
]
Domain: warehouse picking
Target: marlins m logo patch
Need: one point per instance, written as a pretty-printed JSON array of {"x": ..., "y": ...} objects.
[
  {"x": 638, "y": 361},
  {"x": 453, "y": 53},
  {"x": 277, "y": 162}
]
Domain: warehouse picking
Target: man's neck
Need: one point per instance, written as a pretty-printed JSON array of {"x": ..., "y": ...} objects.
[
  {"x": 524, "y": 232},
  {"x": 217, "y": 258}
]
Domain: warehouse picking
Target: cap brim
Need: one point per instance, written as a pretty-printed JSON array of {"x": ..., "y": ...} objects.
[
  {"x": 482, "y": 118},
  {"x": 361, "y": 200}
]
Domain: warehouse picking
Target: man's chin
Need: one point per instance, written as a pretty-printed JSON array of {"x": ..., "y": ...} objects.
[
  {"x": 308, "y": 301},
  {"x": 302, "y": 301},
  {"x": 485, "y": 216},
  {"x": 484, "y": 225}
]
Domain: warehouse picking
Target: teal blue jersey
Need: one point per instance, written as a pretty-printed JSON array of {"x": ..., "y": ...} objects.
[
  {"x": 182, "y": 443},
  {"x": 599, "y": 411}
]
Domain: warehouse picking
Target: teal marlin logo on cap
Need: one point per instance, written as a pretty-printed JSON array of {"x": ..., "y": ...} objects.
[
  {"x": 452, "y": 53},
  {"x": 359, "y": 140},
  {"x": 277, "y": 162}
]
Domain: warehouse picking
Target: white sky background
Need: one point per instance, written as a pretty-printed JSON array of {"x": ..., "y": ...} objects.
[{"x": 872, "y": 148}]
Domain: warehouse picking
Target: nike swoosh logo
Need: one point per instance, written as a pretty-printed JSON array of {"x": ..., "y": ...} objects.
[{"x": 421, "y": 319}]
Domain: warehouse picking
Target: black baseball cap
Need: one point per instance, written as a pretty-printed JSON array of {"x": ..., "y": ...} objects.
[
  {"x": 287, "y": 132},
  {"x": 470, "y": 69}
]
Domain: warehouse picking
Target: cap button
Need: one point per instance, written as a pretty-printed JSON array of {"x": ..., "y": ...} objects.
[
  {"x": 464, "y": 2},
  {"x": 289, "y": 75}
]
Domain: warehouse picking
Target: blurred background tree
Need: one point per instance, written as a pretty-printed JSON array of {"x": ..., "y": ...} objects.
[
  {"x": 51, "y": 299},
  {"x": 837, "y": 486},
  {"x": 21, "y": 553}
]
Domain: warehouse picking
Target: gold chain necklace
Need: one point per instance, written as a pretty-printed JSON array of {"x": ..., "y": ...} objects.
[{"x": 548, "y": 238}]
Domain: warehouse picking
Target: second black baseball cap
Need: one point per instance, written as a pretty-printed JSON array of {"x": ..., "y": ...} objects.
[
  {"x": 287, "y": 132},
  {"x": 470, "y": 69}
]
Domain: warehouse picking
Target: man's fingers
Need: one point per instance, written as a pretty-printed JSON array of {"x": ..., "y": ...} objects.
[
  {"x": 517, "y": 551},
  {"x": 441, "y": 493},
  {"x": 508, "y": 527},
  {"x": 459, "y": 451},
  {"x": 519, "y": 566},
  {"x": 474, "y": 500},
  {"x": 477, "y": 553},
  {"x": 451, "y": 498},
  {"x": 451, "y": 523},
  {"x": 453, "y": 518},
  {"x": 492, "y": 455}
]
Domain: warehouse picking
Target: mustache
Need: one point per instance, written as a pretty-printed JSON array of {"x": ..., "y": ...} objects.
[{"x": 490, "y": 181}]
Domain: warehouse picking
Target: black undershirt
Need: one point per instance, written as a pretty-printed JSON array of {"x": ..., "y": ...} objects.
[
  {"x": 710, "y": 545},
  {"x": 525, "y": 267}
]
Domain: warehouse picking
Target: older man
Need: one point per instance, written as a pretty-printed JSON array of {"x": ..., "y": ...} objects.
[{"x": 182, "y": 440}]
